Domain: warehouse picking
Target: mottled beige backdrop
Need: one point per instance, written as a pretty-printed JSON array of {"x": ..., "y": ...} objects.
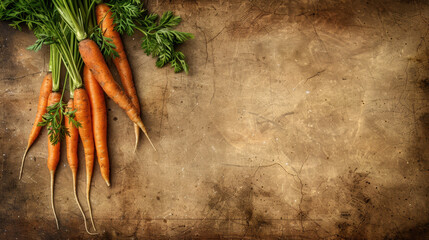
[{"x": 298, "y": 120}]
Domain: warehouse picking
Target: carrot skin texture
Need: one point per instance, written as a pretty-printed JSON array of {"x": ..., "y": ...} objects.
[
  {"x": 72, "y": 141},
  {"x": 94, "y": 60},
  {"x": 105, "y": 20},
  {"x": 45, "y": 91},
  {"x": 72, "y": 158},
  {"x": 99, "y": 121},
  {"x": 53, "y": 150},
  {"x": 53, "y": 154},
  {"x": 83, "y": 115}
]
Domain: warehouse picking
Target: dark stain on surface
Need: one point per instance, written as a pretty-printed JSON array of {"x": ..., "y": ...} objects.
[
  {"x": 358, "y": 218},
  {"x": 417, "y": 232},
  {"x": 7, "y": 62},
  {"x": 234, "y": 204},
  {"x": 264, "y": 17}
]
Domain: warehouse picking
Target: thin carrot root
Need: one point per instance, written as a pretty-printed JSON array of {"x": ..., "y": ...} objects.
[
  {"x": 137, "y": 134},
  {"x": 140, "y": 124},
  {"x": 89, "y": 204},
  {"x": 107, "y": 182},
  {"x": 22, "y": 162},
  {"x": 80, "y": 207},
  {"x": 52, "y": 198}
]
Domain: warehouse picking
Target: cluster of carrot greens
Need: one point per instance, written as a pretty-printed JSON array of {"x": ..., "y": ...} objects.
[{"x": 81, "y": 34}]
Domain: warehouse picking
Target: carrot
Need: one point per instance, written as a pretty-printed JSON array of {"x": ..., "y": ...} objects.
[
  {"x": 45, "y": 90},
  {"x": 72, "y": 158},
  {"x": 105, "y": 20},
  {"x": 93, "y": 59},
  {"x": 99, "y": 121},
  {"x": 71, "y": 141},
  {"x": 83, "y": 115},
  {"x": 53, "y": 153}
]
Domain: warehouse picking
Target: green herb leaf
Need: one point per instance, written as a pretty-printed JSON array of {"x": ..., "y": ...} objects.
[
  {"x": 106, "y": 44},
  {"x": 53, "y": 120},
  {"x": 126, "y": 15},
  {"x": 160, "y": 39}
]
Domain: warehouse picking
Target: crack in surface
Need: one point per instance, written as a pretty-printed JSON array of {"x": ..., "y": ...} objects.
[
  {"x": 163, "y": 104},
  {"x": 21, "y": 77}
]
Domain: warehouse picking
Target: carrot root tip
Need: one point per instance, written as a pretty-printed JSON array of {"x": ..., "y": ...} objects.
[
  {"x": 107, "y": 182},
  {"x": 52, "y": 198},
  {"x": 78, "y": 204},
  {"x": 137, "y": 134},
  {"x": 89, "y": 206},
  {"x": 150, "y": 142},
  {"x": 145, "y": 133},
  {"x": 22, "y": 162}
]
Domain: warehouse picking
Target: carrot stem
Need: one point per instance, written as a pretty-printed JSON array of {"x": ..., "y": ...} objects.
[{"x": 54, "y": 66}]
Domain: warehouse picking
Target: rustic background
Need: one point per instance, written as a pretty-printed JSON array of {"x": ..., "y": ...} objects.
[{"x": 298, "y": 120}]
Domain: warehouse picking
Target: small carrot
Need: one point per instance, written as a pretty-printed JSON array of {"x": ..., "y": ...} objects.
[
  {"x": 72, "y": 158},
  {"x": 105, "y": 20},
  {"x": 99, "y": 121},
  {"x": 93, "y": 59},
  {"x": 45, "y": 90},
  {"x": 72, "y": 141},
  {"x": 53, "y": 153},
  {"x": 83, "y": 116}
]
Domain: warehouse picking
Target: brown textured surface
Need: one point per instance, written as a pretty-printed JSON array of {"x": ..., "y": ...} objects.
[{"x": 298, "y": 120}]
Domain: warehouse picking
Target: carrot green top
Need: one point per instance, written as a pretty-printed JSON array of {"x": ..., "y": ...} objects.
[
  {"x": 73, "y": 16},
  {"x": 55, "y": 67}
]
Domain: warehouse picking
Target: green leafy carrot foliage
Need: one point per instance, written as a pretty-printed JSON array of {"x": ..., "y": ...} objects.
[
  {"x": 106, "y": 44},
  {"x": 160, "y": 39},
  {"x": 53, "y": 120}
]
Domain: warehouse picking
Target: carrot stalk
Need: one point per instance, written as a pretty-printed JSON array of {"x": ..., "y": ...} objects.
[
  {"x": 45, "y": 90},
  {"x": 83, "y": 116},
  {"x": 92, "y": 57},
  {"x": 99, "y": 121},
  {"x": 105, "y": 20}
]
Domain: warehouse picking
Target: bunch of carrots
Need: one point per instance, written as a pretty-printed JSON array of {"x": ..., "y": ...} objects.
[{"x": 79, "y": 33}]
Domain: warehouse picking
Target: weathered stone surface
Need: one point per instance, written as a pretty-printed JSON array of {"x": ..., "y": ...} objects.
[{"x": 298, "y": 120}]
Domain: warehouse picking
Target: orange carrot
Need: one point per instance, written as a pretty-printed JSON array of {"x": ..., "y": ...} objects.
[
  {"x": 105, "y": 20},
  {"x": 94, "y": 60},
  {"x": 72, "y": 141},
  {"x": 83, "y": 115},
  {"x": 72, "y": 158},
  {"x": 53, "y": 153},
  {"x": 45, "y": 90},
  {"x": 99, "y": 121}
]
